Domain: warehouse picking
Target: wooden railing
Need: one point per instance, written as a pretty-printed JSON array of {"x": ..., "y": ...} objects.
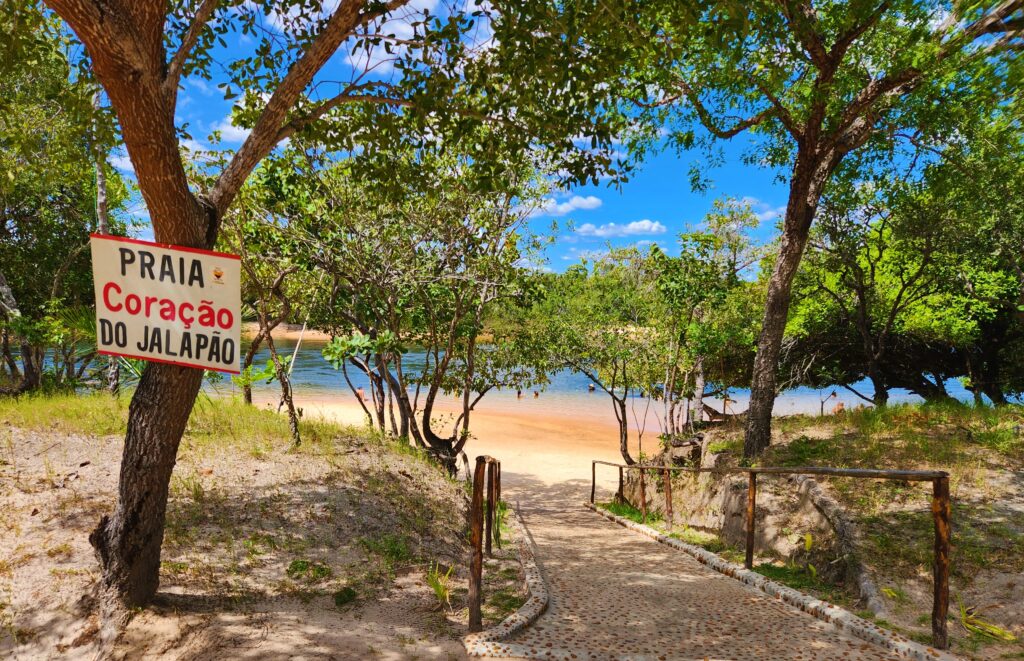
[
  {"x": 941, "y": 513},
  {"x": 483, "y": 525}
]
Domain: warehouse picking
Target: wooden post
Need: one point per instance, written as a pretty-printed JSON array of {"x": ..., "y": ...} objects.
[
  {"x": 476, "y": 560},
  {"x": 497, "y": 498},
  {"x": 621, "y": 495},
  {"x": 668, "y": 499},
  {"x": 643, "y": 496},
  {"x": 751, "y": 506},
  {"x": 941, "y": 512},
  {"x": 492, "y": 506},
  {"x": 593, "y": 480}
]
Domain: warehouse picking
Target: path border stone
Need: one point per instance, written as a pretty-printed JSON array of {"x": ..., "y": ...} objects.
[
  {"x": 842, "y": 619},
  {"x": 489, "y": 641}
]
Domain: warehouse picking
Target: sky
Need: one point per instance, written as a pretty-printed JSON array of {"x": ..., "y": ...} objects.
[{"x": 655, "y": 205}]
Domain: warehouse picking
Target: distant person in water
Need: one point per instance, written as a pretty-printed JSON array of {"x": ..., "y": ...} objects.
[
  {"x": 590, "y": 387},
  {"x": 536, "y": 394},
  {"x": 361, "y": 394},
  {"x": 519, "y": 394}
]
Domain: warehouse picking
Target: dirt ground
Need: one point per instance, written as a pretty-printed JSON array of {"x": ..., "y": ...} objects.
[{"x": 267, "y": 555}]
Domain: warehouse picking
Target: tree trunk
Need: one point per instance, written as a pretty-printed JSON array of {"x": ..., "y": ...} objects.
[
  {"x": 405, "y": 407},
  {"x": 994, "y": 392},
  {"x": 379, "y": 400},
  {"x": 31, "y": 368},
  {"x": 125, "y": 42},
  {"x": 880, "y": 397},
  {"x": 5, "y": 349},
  {"x": 810, "y": 171},
  {"x": 128, "y": 542},
  {"x": 286, "y": 390},
  {"x": 247, "y": 360},
  {"x": 776, "y": 311},
  {"x": 620, "y": 415}
]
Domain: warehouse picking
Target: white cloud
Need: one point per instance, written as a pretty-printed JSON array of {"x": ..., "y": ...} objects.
[
  {"x": 193, "y": 145},
  {"x": 589, "y": 255},
  {"x": 534, "y": 265},
  {"x": 763, "y": 210},
  {"x": 201, "y": 86},
  {"x": 612, "y": 230},
  {"x": 552, "y": 207},
  {"x": 229, "y": 132},
  {"x": 119, "y": 159}
]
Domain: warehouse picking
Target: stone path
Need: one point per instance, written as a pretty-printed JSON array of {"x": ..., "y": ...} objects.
[{"x": 615, "y": 594}]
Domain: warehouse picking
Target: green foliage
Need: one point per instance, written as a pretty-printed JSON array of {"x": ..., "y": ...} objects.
[
  {"x": 705, "y": 540},
  {"x": 392, "y": 549},
  {"x": 50, "y": 138},
  {"x": 308, "y": 570},
  {"x": 627, "y": 511},
  {"x": 800, "y": 578},
  {"x": 440, "y": 582},
  {"x": 345, "y": 596},
  {"x": 265, "y": 374},
  {"x": 501, "y": 521}
]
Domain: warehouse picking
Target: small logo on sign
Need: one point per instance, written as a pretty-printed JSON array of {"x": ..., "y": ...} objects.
[{"x": 217, "y": 275}]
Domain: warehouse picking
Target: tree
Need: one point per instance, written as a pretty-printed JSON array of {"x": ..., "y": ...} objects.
[
  {"x": 876, "y": 258},
  {"x": 695, "y": 289},
  {"x": 49, "y": 133},
  {"x": 421, "y": 263},
  {"x": 816, "y": 83},
  {"x": 910, "y": 283},
  {"x": 597, "y": 319},
  {"x": 448, "y": 83}
]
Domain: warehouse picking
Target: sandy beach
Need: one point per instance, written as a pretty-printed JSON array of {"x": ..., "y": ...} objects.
[
  {"x": 289, "y": 332},
  {"x": 548, "y": 441}
]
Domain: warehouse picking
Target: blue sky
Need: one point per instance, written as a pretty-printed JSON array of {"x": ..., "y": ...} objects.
[
  {"x": 657, "y": 204},
  {"x": 654, "y": 206}
]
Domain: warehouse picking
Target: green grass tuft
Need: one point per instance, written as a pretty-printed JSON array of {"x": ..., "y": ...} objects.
[
  {"x": 627, "y": 511},
  {"x": 344, "y": 596}
]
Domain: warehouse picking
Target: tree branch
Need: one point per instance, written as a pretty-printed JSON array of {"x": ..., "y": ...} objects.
[
  {"x": 348, "y": 17},
  {"x": 188, "y": 42},
  {"x": 803, "y": 21},
  {"x": 842, "y": 44},
  {"x": 708, "y": 122}
]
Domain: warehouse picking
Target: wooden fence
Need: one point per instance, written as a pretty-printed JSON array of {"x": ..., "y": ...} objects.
[
  {"x": 483, "y": 530},
  {"x": 941, "y": 513}
]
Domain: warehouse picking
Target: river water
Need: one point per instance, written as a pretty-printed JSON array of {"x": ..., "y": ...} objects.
[{"x": 313, "y": 377}]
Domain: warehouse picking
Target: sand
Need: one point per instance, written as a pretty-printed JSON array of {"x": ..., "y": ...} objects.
[
  {"x": 236, "y": 520},
  {"x": 544, "y": 441},
  {"x": 285, "y": 332}
]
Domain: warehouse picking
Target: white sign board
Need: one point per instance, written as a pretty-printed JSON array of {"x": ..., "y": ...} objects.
[{"x": 167, "y": 304}]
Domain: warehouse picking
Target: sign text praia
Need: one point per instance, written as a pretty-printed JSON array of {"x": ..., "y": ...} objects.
[{"x": 167, "y": 303}]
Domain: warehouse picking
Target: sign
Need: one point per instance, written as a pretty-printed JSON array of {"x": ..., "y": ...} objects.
[{"x": 167, "y": 304}]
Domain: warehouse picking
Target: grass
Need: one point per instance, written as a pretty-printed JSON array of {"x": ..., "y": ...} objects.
[
  {"x": 392, "y": 549},
  {"x": 440, "y": 582},
  {"x": 705, "y": 540},
  {"x": 345, "y": 596},
  {"x": 803, "y": 580},
  {"x": 506, "y": 600},
  {"x": 627, "y": 511},
  {"x": 220, "y": 423},
  {"x": 907, "y": 435}
]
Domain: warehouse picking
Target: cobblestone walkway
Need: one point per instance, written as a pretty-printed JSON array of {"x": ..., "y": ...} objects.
[{"x": 617, "y": 595}]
